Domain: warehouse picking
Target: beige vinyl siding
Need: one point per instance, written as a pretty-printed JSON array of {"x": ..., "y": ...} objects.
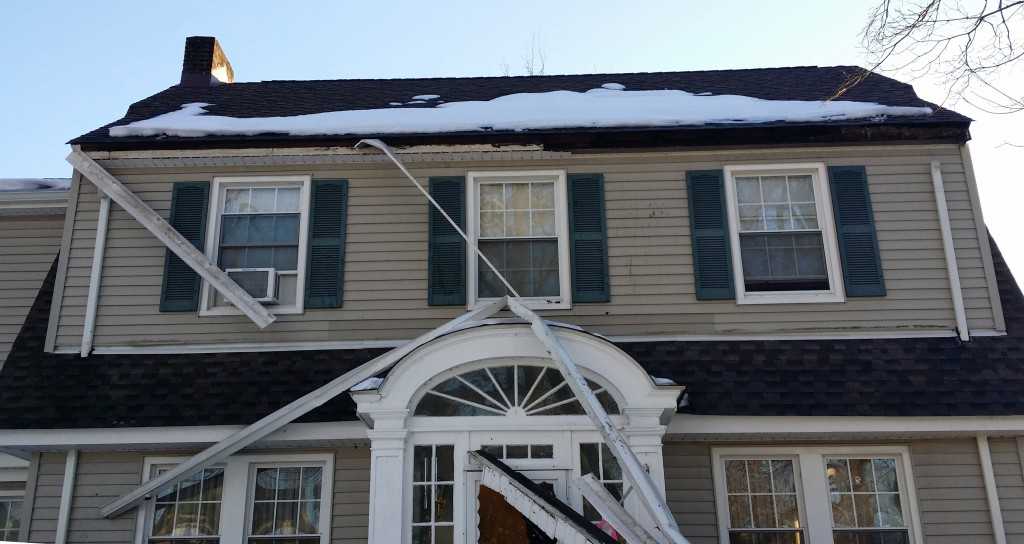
[
  {"x": 104, "y": 476},
  {"x": 1006, "y": 464},
  {"x": 46, "y": 503},
  {"x": 951, "y": 492},
  {"x": 28, "y": 247},
  {"x": 651, "y": 267},
  {"x": 690, "y": 490}
]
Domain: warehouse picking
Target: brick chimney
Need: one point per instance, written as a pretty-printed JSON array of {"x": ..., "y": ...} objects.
[{"x": 205, "y": 63}]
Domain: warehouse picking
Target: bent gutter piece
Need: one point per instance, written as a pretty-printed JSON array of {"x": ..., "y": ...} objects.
[{"x": 170, "y": 237}]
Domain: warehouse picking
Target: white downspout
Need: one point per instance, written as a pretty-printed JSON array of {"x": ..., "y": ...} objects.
[
  {"x": 952, "y": 269},
  {"x": 66, "y": 494},
  {"x": 95, "y": 275},
  {"x": 991, "y": 492}
]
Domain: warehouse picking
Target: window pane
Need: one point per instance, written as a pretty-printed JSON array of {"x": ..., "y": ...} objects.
[
  {"x": 186, "y": 519},
  {"x": 517, "y": 451},
  {"x": 266, "y": 484},
  {"x": 209, "y": 519},
  {"x": 312, "y": 478},
  {"x": 751, "y": 217},
  {"x": 890, "y": 514},
  {"x": 782, "y": 476},
  {"x": 261, "y": 228},
  {"x": 259, "y": 257},
  {"x": 421, "y": 503},
  {"x": 609, "y": 465},
  {"x": 163, "y": 519},
  {"x": 444, "y": 534},
  {"x": 842, "y": 510},
  {"x": 838, "y": 474},
  {"x": 542, "y": 451},
  {"x": 286, "y": 258},
  {"x": 285, "y": 518},
  {"x": 517, "y": 223},
  {"x": 236, "y": 200},
  {"x": 543, "y": 223},
  {"x": 766, "y": 537},
  {"x": 739, "y": 511},
  {"x": 736, "y": 476},
  {"x": 445, "y": 463},
  {"x": 286, "y": 229},
  {"x": 288, "y": 199},
  {"x": 189, "y": 488},
  {"x": 866, "y": 507},
  {"x": 801, "y": 189},
  {"x": 862, "y": 477},
  {"x": 421, "y": 535},
  {"x": 253, "y": 282},
  {"x": 492, "y": 196},
  {"x": 885, "y": 475},
  {"x": 871, "y": 537},
  {"x": 777, "y": 217},
  {"x": 788, "y": 511},
  {"x": 309, "y": 517},
  {"x": 13, "y": 515},
  {"x": 759, "y": 472},
  {"x": 804, "y": 216},
  {"x": 263, "y": 200},
  {"x": 492, "y": 224},
  {"x": 214, "y": 482},
  {"x": 764, "y": 511},
  {"x": 748, "y": 190},
  {"x": 235, "y": 229},
  {"x": 444, "y": 497},
  {"x": 422, "y": 465},
  {"x": 774, "y": 189},
  {"x": 263, "y": 518},
  {"x": 590, "y": 463},
  {"x": 517, "y": 196},
  {"x": 496, "y": 450},
  {"x": 287, "y": 285},
  {"x": 542, "y": 196}
]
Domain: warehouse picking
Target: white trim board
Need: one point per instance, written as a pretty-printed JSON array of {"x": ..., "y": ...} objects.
[
  {"x": 688, "y": 425},
  {"x": 244, "y": 347}
]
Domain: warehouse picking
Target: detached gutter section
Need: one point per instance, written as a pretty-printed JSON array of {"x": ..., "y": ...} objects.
[
  {"x": 952, "y": 268},
  {"x": 170, "y": 237}
]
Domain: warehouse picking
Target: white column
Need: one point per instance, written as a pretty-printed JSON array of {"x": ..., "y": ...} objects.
[
  {"x": 644, "y": 433},
  {"x": 387, "y": 478}
]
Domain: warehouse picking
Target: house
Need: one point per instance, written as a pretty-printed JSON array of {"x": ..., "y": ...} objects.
[
  {"x": 788, "y": 308},
  {"x": 31, "y": 223}
]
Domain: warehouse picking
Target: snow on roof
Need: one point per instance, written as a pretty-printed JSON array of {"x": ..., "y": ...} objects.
[
  {"x": 604, "y": 107},
  {"x": 371, "y": 383},
  {"x": 34, "y": 184}
]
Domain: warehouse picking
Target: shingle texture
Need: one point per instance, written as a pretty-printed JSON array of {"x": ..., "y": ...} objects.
[
  {"x": 286, "y": 98},
  {"x": 883, "y": 377}
]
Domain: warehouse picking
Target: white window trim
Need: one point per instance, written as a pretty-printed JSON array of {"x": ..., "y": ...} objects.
[
  {"x": 473, "y": 181},
  {"x": 812, "y": 491},
  {"x": 823, "y": 206},
  {"x": 239, "y": 471},
  {"x": 213, "y": 238}
]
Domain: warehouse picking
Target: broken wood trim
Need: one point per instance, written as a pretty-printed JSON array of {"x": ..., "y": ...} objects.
[
  {"x": 952, "y": 267},
  {"x": 170, "y": 237},
  {"x": 650, "y": 495},
  {"x": 95, "y": 275},
  {"x": 290, "y": 412},
  {"x": 613, "y": 512}
]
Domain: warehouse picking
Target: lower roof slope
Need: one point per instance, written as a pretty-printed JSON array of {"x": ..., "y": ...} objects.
[{"x": 882, "y": 377}]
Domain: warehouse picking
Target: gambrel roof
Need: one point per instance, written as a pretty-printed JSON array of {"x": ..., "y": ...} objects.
[
  {"x": 878, "y": 377},
  {"x": 273, "y": 99}
]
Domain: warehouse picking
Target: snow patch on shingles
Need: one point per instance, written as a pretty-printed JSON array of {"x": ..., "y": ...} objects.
[
  {"x": 596, "y": 108},
  {"x": 34, "y": 184},
  {"x": 614, "y": 86},
  {"x": 416, "y": 102},
  {"x": 426, "y": 97},
  {"x": 395, "y": 104},
  {"x": 368, "y": 384}
]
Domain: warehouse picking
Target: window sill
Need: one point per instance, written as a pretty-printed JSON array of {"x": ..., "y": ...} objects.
[
  {"x": 226, "y": 310},
  {"x": 790, "y": 297}
]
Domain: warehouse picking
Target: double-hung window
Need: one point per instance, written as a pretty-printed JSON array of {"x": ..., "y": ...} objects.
[
  {"x": 10, "y": 516},
  {"x": 257, "y": 499},
  {"x": 519, "y": 222},
  {"x": 827, "y": 495},
  {"x": 782, "y": 234},
  {"x": 259, "y": 229}
]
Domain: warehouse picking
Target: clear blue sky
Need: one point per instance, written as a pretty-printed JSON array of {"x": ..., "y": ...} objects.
[{"x": 69, "y": 67}]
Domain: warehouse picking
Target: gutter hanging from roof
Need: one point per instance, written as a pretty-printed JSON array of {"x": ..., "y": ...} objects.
[
  {"x": 952, "y": 268},
  {"x": 650, "y": 497},
  {"x": 66, "y": 496},
  {"x": 170, "y": 237},
  {"x": 95, "y": 275}
]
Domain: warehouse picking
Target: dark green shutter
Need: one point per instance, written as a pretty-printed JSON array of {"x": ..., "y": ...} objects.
[
  {"x": 446, "y": 255},
  {"x": 181, "y": 285},
  {"x": 855, "y": 228},
  {"x": 588, "y": 238},
  {"x": 325, "y": 270},
  {"x": 709, "y": 231}
]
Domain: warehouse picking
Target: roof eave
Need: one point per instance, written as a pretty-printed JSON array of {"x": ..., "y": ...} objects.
[{"x": 587, "y": 138}]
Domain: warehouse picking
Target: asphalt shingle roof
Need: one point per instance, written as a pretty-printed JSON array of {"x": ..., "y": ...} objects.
[
  {"x": 880, "y": 377},
  {"x": 287, "y": 98}
]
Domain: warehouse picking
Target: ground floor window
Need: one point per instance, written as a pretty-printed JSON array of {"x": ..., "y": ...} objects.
[
  {"x": 855, "y": 495},
  {"x": 272, "y": 499},
  {"x": 10, "y": 516}
]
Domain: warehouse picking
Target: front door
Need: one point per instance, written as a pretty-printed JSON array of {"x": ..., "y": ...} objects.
[{"x": 491, "y": 520}]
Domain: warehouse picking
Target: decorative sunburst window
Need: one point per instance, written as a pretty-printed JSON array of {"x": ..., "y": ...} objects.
[{"x": 514, "y": 390}]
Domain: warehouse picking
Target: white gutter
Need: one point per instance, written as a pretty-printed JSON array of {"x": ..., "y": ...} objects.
[
  {"x": 66, "y": 495},
  {"x": 991, "y": 491},
  {"x": 170, "y": 237},
  {"x": 952, "y": 269},
  {"x": 95, "y": 275},
  {"x": 290, "y": 412}
]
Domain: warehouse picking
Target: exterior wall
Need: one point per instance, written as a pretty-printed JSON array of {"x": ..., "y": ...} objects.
[
  {"x": 1007, "y": 456},
  {"x": 651, "y": 267},
  {"x": 105, "y": 476},
  {"x": 28, "y": 247},
  {"x": 948, "y": 480}
]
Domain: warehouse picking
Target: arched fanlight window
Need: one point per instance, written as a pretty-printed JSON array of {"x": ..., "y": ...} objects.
[{"x": 508, "y": 390}]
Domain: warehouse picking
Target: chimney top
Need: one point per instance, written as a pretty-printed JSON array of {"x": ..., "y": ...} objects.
[{"x": 205, "y": 63}]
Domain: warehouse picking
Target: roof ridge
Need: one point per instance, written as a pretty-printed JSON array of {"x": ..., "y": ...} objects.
[{"x": 546, "y": 76}]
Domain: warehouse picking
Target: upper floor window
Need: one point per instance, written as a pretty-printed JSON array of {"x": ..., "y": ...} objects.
[
  {"x": 189, "y": 510},
  {"x": 782, "y": 234},
  {"x": 10, "y": 516},
  {"x": 519, "y": 221},
  {"x": 260, "y": 229},
  {"x": 286, "y": 504}
]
